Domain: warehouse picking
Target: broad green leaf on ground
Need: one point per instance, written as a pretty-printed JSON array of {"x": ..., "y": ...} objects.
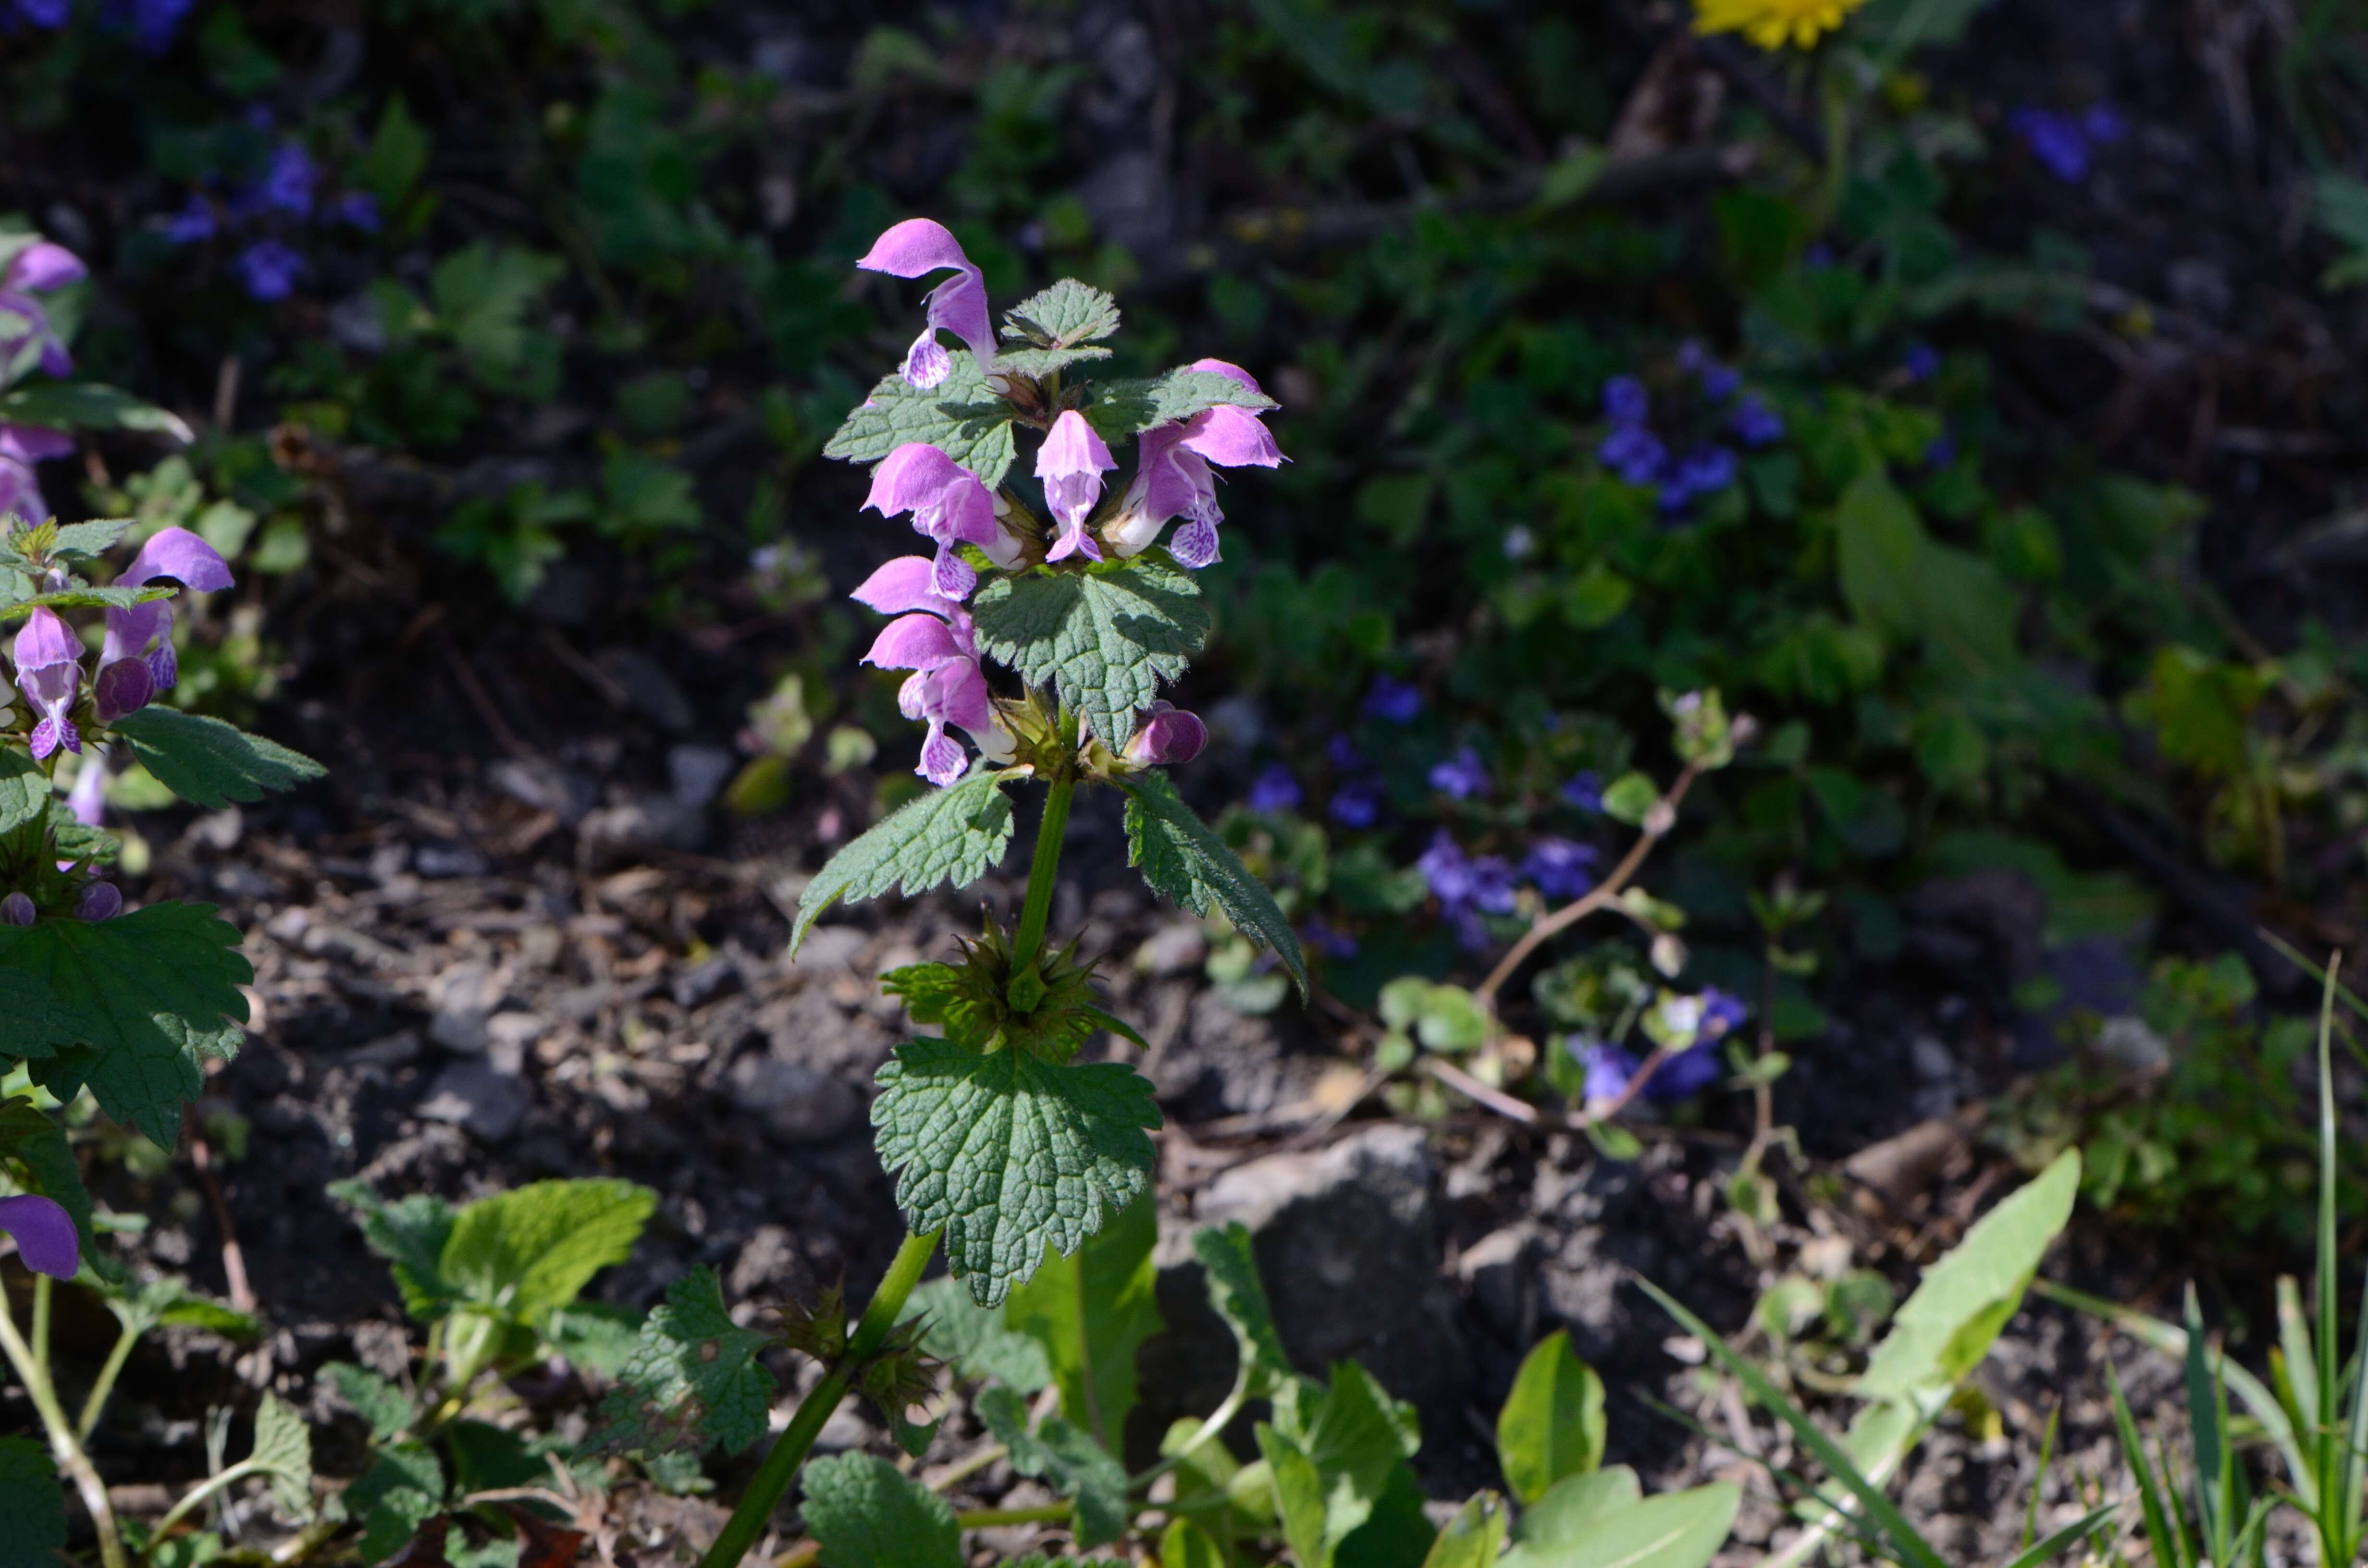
[
  {"x": 410, "y": 1233},
  {"x": 1066, "y": 1455},
  {"x": 1575, "y": 1505},
  {"x": 1947, "y": 1326},
  {"x": 24, "y": 791},
  {"x": 375, "y": 1400},
  {"x": 1473, "y": 1538},
  {"x": 401, "y": 1491},
  {"x": 209, "y": 762},
  {"x": 1675, "y": 1529},
  {"x": 958, "y": 416},
  {"x": 1184, "y": 1544},
  {"x": 1184, "y": 860},
  {"x": 868, "y": 1515},
  {"x": 283, "y": 1453},
  {"x": 1104, "y": 638},
  {"x": 1238, "y": 1294},
  {"x": 1121, "y": 409},
  {"x": 1552, "y": 1424},
  {"x": 164, "y": 1301},
  {"x": 975, "y": 1340},
  {"x": 956, "y": 834},
  {"x": 1011, "y": 1154},
  {"x": 32, "y": 1506},
  {"x": 693, "y": 1381},
  {"x": 1063, "y": 315},
  {"x": 1333, "y": 1453},
  {"x": 530, "y": 1250},
  {"x": 1877, "y": 538},
  {"x": 594, "y": 1336},
  {"x": 159, "y": 988},
  {"x": 1089, "y": 1311},
  {"x": 87, "y": 405}
]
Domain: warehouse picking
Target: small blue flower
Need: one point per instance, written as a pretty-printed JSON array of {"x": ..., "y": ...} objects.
[
  {"x": 287, "y": 183},
  {"x": 1625, "y": 402},
  {"x": 2057, "y": 139},
  {"x": 47, "y": 14},
  {"x": 1585, "y": 791},
  {"x": 192, "y": 224},
  {"x": 1706, "y": 471},
  {"x": 1395, "y": 701},
  {"x": 1275, "y": 790},
  {"x": 1461, "y": 776},
  {"x": 1329, "y": 939},
  {"x": 1609, "y": 1068},
  {"x": 1634, "y": 454},
  {"x": 269, "y": 270},
  {"x": 1357, "y": 803},
  {"x": 1685, "y": 1075},
  {"x": 1942, "y": 452},
  {"x": 1343, "y": 753},
  {"x": 1923, "y": 362},
  {"x": 1560, "y": 869},
  {"x": 153, "y": 22},
  {"x": 1754, "y": 423},
  {"x": 357, "y": 210},
  {"x": 1466, "y": 887}
]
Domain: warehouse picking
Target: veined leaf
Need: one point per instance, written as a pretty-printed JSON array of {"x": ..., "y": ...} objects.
[
  {"x": 867, "y": 1515},
  {"x": 1238, "y": 1294},
  {"x": 1067, "y": 1456},
  {"x": 1552, "y": 1425},
  {"x": 1675, "y": 1529},
  {"x": 410, "y": 1233},
  {"x": 87, "y": 405},
  {"x": 24, "y": 789},
  {"x": 954, "y": 834},
  {"x": 529, "y": 1251},
  {"x": 1182, "y": 859},
  {"x": 283, "y": 1453},
  {"x": 94, "y": 538},
  {"x": 975, "y": 1339},
  {"x": 958, "y": 416},
  {"x": 1105, "y": 640},
  {"x": 1090, "y": 1310},
  {"x": 400, "y": 1491},
  {"x": 1121, "y": 409},
  {"x": 374, "y": 1399},
  {"x": 1063, "y": 315},
  {"x": 32, "y": 1505},
  {"x": 209, "y": 762},
  {"x": 1009, "y": 1154},
  {"x": 693, "y": 1381}
]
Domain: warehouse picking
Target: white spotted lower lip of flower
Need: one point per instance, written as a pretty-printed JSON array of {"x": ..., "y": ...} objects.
[
  {"x": 949, "y": 505},
  {"x": 1172, "y": 477},
  {"x": 915, "y": 248},
  {"x": 1071, "y": 463},
  {"x": 936, "y": 643}
]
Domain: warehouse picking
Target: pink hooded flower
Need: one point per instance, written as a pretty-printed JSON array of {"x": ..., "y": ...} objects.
[
  {"x": 915, "y": 248},
  {"x": 23, "y": 318},
  {"x": 1172, "y": 477},
  {"x": 1169, "y": 734},
  {"x": 1071, "y": 462},
  {"x": 947, "y": 687},
  {"x": 45, "y": 1235},
  {"x": 949, "y": 505},
  {"x": 22, "y": 445},
  {"x": 49, "y": 672},
  {"x": 136, "y": 661}
]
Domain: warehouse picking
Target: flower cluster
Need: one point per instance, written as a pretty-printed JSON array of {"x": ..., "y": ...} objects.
[
  {"x": 972, "y": 525},
  {"x": 284, "y": 193},
  {"x": 151, "y": 24},
  {"x": 1687, "y": 1029},
  {"x": 2068, "y": 142},
  {"x": 1774, "y": 23},
  {"x": 1470, "y": 886},
  {"x": 1707, "y": 402}
]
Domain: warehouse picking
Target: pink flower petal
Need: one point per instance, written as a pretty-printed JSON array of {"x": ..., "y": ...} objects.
[
  {"x": 906, "y": 583},
  {"x": 46, "y": 266},
  {"x": 179, "y": 555},
  {"x": 913, "y": 642}
]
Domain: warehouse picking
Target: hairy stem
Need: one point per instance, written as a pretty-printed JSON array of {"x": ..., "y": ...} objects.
[
  {"x": 751, "y": 1519},
  {"x": 1041, "y": 874},
  {"x": 35, "y": 1375}
]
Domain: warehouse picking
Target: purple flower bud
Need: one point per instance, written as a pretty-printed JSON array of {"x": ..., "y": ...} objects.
[
  {"x": 1275, "y": 790},
  {"x": 45, "y": 1235},
  {"x": 1395, "y": 701},
  {"x": 269, "y": 270},
  {"x": 124, "y": 686},
  {"x": 49, "y": 672},
  {"x": 1625, "y": 402},
  {"x": 99, "y": 900},
  {"x": 1071, "y": 463},
  {"x": 18, "y": 909},
  {"x": 1462, "y": 776},
  {"x": 1357, "y": 803},
  {"x": 1585, "y": 791},
  {"x": 1167, "y": 737}
]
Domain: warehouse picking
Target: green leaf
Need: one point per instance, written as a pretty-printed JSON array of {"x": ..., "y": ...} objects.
[
  {"x": 1334, "y": 1454},
  {"x": 1236, "y": 1290},
  {"x": 396, "y": 156},
  {"x": 33, "y": 1022},
  {"x": 1877, "y": 540},
  {"x": 283, "y": 1453},
  {"x": 87, "y": 598},
  {"x": 1042, "y": 362},
  {"x": 400, "y": 1491},
  {"x": 529, "y": 1251},
  {"x": 1124, "y": 408},
  {"x": 482, "y": 292},
  {"x": 32, "y": 1506},
  {"x": 209, "y": 762},
  {"x": 1182, "y": 859},
  {"x": 1675, "y": 1529},
  {"x": 1068, "y": 314},
  {"x": 91, "y": 539},
  {"x": 29, "y": 1138},
  {"x": 1068, "y": 1456},
  {"x": 69, "y": 405},
  {"x": 693, "y": 1380},
  {"x": 156, "y": 986},
  {"x": 1184, "y": 1544},
  {"x": 594, "y": 1336},
  {"x": 975, "y": 1339},
  {"x": 1104, "y": 640},
  {"x": 410, "y": 1233},
  {"x": 1946, "y": 1327},
  {"x": 1089, "y": 1311},
  {"x": 1552, "y": 1425},
  {"x": 866, "y": 1514},
  {"x": 1473, "y": 1538},
  {"x": 1630, "y": 797},
  {"x": 1009, "y": 1154},
  {"x": 959, "y": 417},
  {"x": 375, "y": 1400},
  {"x": 1572, "y": 1509},
  {"x": 24, "y": 789},
  {"x": 956, "y": 834}
]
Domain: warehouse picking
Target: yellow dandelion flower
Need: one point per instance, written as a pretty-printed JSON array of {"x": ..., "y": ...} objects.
[{"x": 1773, "y": 24}]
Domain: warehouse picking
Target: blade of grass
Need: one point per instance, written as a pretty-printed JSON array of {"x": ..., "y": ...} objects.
[
  {"x": 1912, "y": 1548},
  {"x": 2039, "y": 1473},
  {"x": 2206, "y": 1423},
  {"x": 2296, "y": 1352},
  {"x": 2333, "y": 1467},
  {"x": 2163, "y": 1531},
  {"x": 2033, "y": 1556}
]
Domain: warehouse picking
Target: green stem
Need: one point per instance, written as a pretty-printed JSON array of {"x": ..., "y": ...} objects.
[
  {"x": 755, "y": 1514},
  {"x": 68, "y": 1452},
  {"x": 987, "y": 1518},
  {"x": 1213, "y": 1424},
  {"x": 1041, "y": 874},
  {"x": 196, "y": 1495},
  {"x": 93, "y": 1407},
  {"x": 41, "y": 1286}
]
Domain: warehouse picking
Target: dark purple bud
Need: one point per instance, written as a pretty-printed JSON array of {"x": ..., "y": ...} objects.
[
  {"x": 16, "y": 909},
  {"x": 1168, "y": 735},
  {"x": 45, "y": 1235},
  {"x": 99, "y": 900},
  {"x": 123, "y": 686}
]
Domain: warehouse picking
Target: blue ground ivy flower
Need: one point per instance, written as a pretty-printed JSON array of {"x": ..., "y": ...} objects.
[
  {"x": 2066, "y": 142},
  {"x": 1356, "y": 803},
  {"x": 1754, "y": 423},
  {"x": 1585, "y": 791},
  {"x": 44, "y": 1233},
  {"x": 1942, "y": 452},
  {"x": 1275, "y": 790},
  {"x": 357, "y": 210},
  {"x": 270, "y": 268},
  {"x": 47, "y": 14},
  {"x": 1560, "y": 869},
  {"x": 1645, "y": 457},
  {"x": 1466, "y": 887},
  {"x": 151, "y": 23},
  {"x": 1922, "y": 363},
  {"x": 1609, "y": 1068},
  {"x": 1397, "y": 700},
  {"x": 194, "y": 224},
  {"x": 1461, "y": 777},
  {"x": 1330, "y": 940},
  {"x": 285, "y": 186}
]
